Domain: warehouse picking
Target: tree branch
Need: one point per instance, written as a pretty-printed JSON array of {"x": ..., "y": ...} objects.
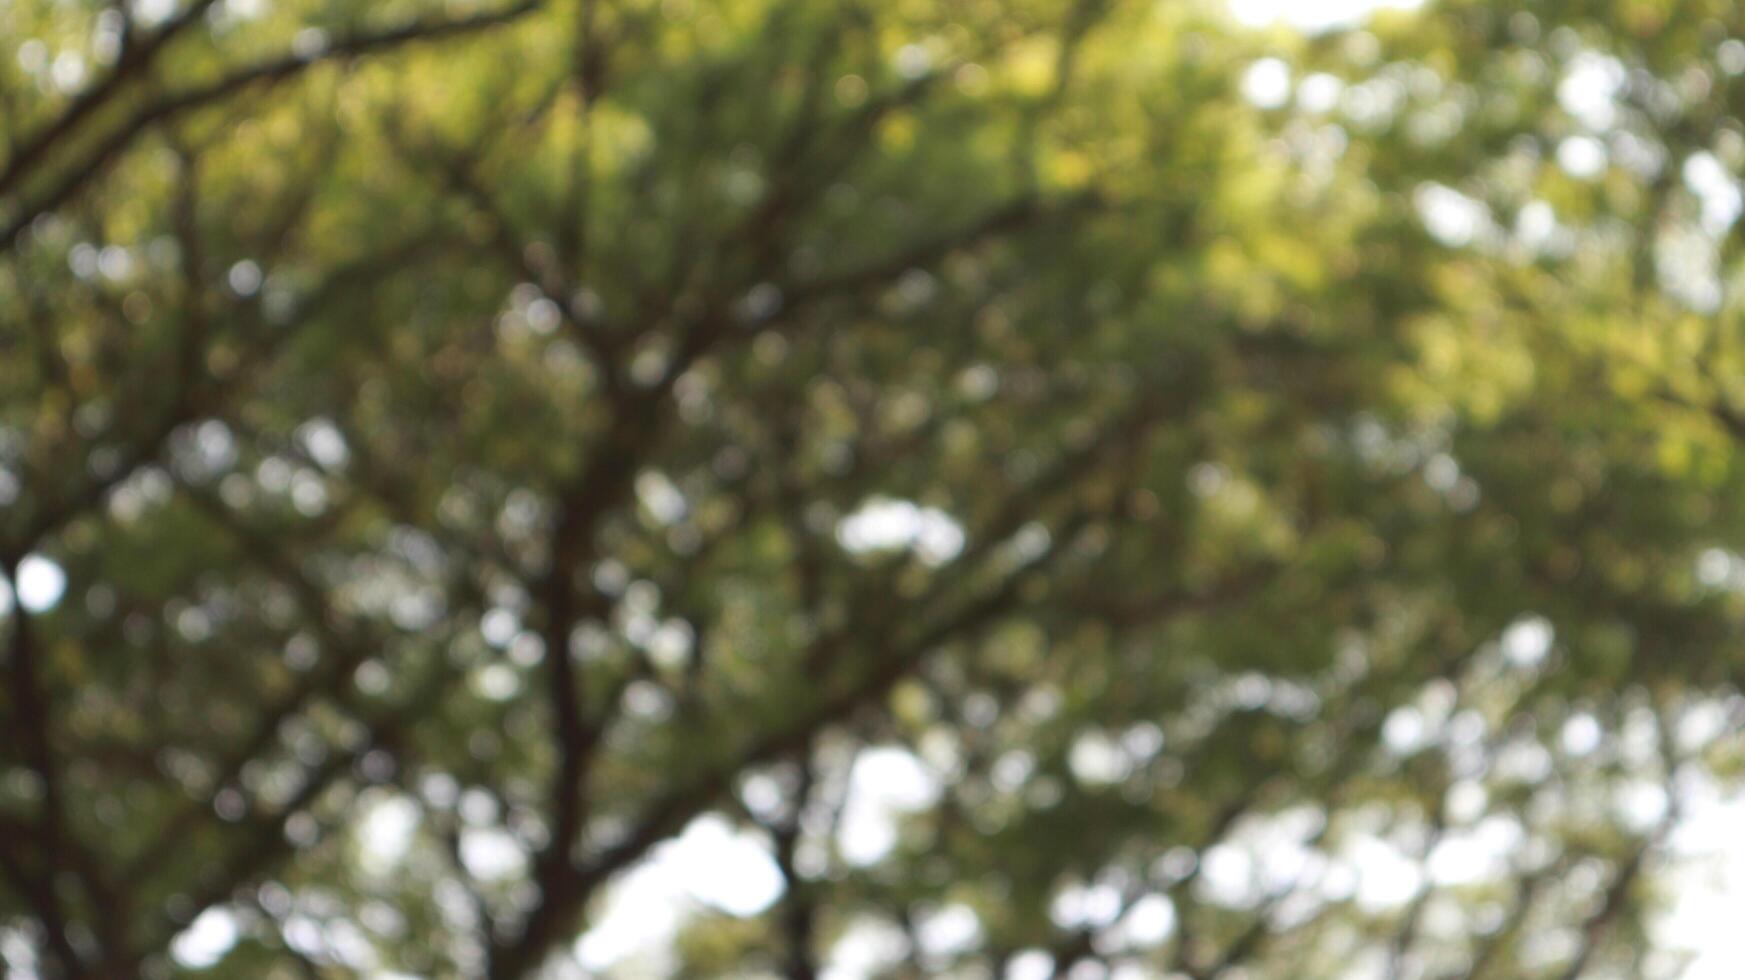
[
  {"x": 134, "y": 62},
  {"x": 32, "y": 729},
  {"x": 266, "y": 74}
]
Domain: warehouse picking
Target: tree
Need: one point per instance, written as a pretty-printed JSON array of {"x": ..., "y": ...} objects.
[{"x": 1270, "y": 498}]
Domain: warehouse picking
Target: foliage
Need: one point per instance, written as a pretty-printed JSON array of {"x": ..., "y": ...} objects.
[{"x": 1278, "y": 490}]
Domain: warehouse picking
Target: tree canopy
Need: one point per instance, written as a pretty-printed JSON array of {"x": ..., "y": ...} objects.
[{"x": 982, "y": 488}]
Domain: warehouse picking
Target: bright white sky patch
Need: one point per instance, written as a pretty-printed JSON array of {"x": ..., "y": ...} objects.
[
  {"x": 497, "y": 682},
  {"x": 883, "y": 524},
  {"x": 1263, "y": 855},
  {"x": 1536, "y": 225},
  {"x": 1227, "y": 877},
  {"x": 1716, "y": 189},
  {"x": 1086, "y": 906},
  {"x": 1386, "y": 878},
  {"x": 728, "y": 868},
  {"x": 206, "y": 940},
  {"x": 1581, "y": 734},
  {"x": 40, "y": 584},
  {"x": 1267, "y": 83},
  {"x": 1582, "y": 157},
  {"x": 150, "y": 13},
  {"x": 1589, "y": 90},
  {"x": 386, "y": 834},
  {"x": 867, "y": 946},
  {"x": 17, "y": 954},
  {"x": 1703, "y": 916},
  {"x": 1404, "y": 730},
  {"x": 324, "y": 443},
  {"x": 1320, "y": 92},
  {"x": 1526, "y": 642},
  {"x": 245, "y": 278},
  {"x": 1451, "y": 217},
  {"x": 1031, "y": 964},
  {"x": 1098, "y": 760},
  {"x": 643, "y": 911},
  {"x": 1149, "y": 922},
  {"x": 885, "y": 783},
  {"x": 951, "y": 930},
  {"x": 490, "y": 854},
  {"x": 711, "y": 862},
  {"x": 1313, "y": 15},
  {"x": 1469, "y": 855},
  {"x": 657, "y": 493}
]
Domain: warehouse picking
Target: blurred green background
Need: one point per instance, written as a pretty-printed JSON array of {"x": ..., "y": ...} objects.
[{"x": 819, "y": 488}]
